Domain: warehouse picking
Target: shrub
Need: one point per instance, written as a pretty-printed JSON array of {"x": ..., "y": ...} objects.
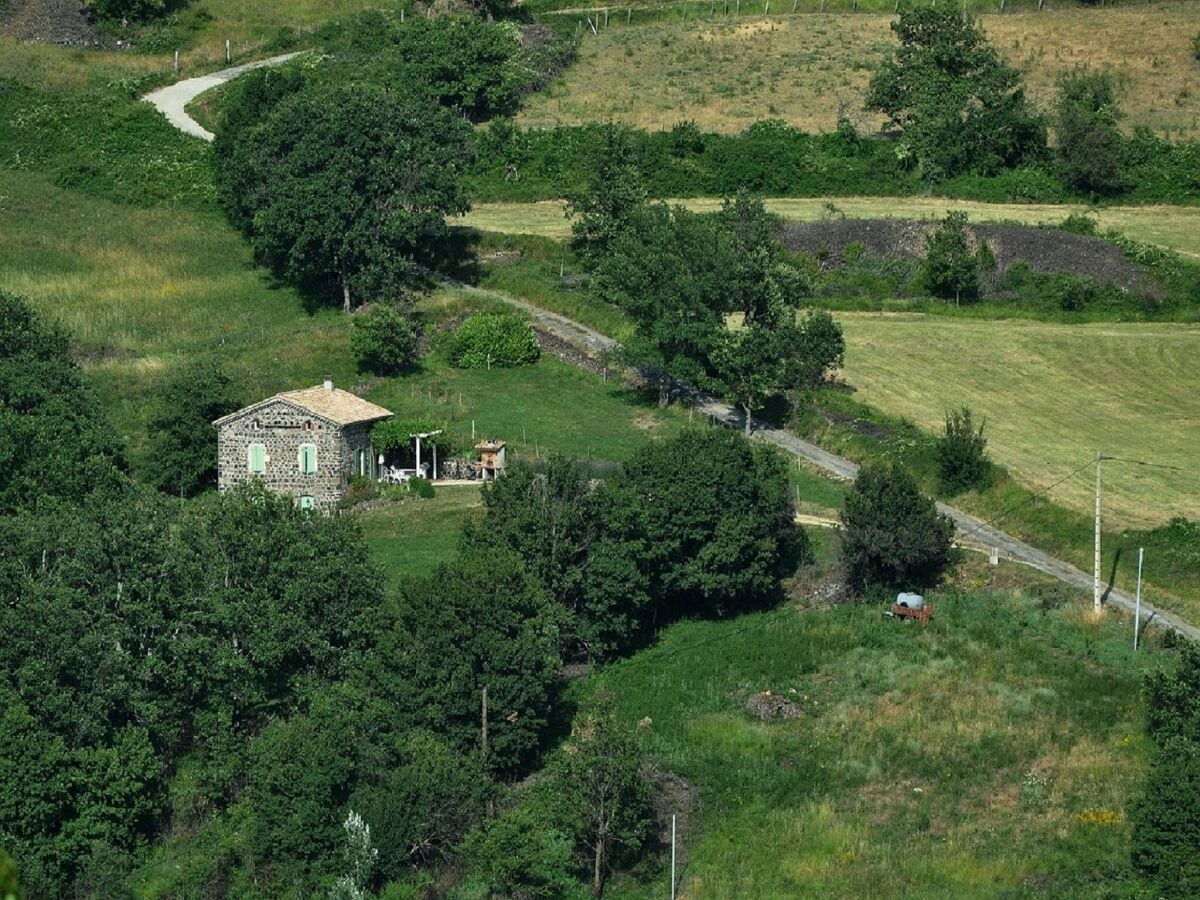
[
  {"x": 421, "y": 487},
  {"x": 1080, "y": 223},
  {"x": 383, "y": 339},
  {"x": 893, "y": 535},
  {"x": 493, "y": 339},
  {"x": 951, "y": 270},
  {"x": 1196, "y": 47},
  {"x": 183, "y": 455},
  {"x": 1085, "y": 123},
  {"x": 1166, "y": 818},
  {"x": 961, "y": 452}
]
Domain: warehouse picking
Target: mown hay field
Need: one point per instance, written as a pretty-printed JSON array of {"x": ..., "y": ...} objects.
[
  {"x": 1052, "y": 395},
  {"x": 724, "y": 74},
  {"x": 1174, "y": 227}
]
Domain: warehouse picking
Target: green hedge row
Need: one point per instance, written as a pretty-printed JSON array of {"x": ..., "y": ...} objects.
[{"x": 774, "y": 159}]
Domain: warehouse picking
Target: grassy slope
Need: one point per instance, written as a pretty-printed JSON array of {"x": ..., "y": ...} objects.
[
  {"x": 994, "y": 750},
  {"x": 725, "y": 74},
  {"x": 1174, "y": 227},
  {"x": 1131, "y": 390}
]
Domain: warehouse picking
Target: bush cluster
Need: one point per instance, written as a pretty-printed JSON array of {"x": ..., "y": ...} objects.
[
  {"x": 1166, "y": 818},
  {"x": 383, "y": 339},
  {"x": 961, "y": 452},
  {"x": 493, "y": 339}
]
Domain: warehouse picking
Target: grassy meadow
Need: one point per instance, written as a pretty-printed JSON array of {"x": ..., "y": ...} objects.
[
  {"x": 726, "y": 72},
  {"x": 990, "y": 754},
  {"x": 1174, "y": 227},
  {"x": 146, "y": 290},
  {"x": 1129, "y": 390}
]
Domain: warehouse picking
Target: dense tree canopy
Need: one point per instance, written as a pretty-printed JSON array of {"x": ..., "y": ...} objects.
[
  {"x": 55, "y": 441},
  {"x": 893, "y": 535},
  {"x": 348, "y": 186},
  {"x": 959, "y": 106},
  {"x": 194, "y": 626},
  {"x": 182, "y": 458},
  {"x": 1085, "y": 126}
]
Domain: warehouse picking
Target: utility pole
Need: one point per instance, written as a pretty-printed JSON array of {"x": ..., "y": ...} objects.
[
  {"x": 1137, "y": 604},
  {"x": 672, "y": 856},
  {"x": 491, "y": 807},
  {"x": 1096, "y": 571}
]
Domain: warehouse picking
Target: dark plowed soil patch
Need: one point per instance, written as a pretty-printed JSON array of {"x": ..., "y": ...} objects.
[
  {"x": 47, "y": 21},
  {"x": 1045, "y": 250}
]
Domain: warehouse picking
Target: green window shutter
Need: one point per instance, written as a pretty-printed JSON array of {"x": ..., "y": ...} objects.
[
  {"x": 308, "y": 459},
  {"x": 258, "y": 459}
]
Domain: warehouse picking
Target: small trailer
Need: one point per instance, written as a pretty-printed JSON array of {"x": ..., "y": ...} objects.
[{"x": 911, "y": 608}]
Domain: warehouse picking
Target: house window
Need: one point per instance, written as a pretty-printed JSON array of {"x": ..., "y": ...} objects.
[
  {"x": 308, "y": 459},
  {"x": 256, "y": 459},
  {"x": 308, "y": 503}
]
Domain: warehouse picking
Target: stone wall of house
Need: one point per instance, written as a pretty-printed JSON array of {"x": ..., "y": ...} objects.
[{"x": 281, "y": 428}]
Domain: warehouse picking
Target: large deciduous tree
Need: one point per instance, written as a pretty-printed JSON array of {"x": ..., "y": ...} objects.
[
  {"x": 352, "y": 186},
  {"x": 960, "y": 107},
  {"x": 182, "y": 457},
  {"x": 893, "y": 535},
  {"x": 1085, "y": 126},
  {"x": 55, "y": 441}
]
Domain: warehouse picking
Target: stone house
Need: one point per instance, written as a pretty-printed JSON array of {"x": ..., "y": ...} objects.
[{"x": 304, "y": 443}]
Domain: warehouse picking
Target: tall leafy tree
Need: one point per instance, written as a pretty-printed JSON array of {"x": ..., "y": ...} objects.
[
  {"x": 55, "y": 441},
  {"x": 669, "y": 269},
  {"x": 893, "y": 535},
  {"x": 710, "y": 516},
  {"x": 749, "y": 364},
  {"x": 1089, "y": 144},
  {"x": 479, "y": 621},
  {"x": 606, "y": 797},
  {"x": 182, "y": 459},
  {"x": 1166, "y": 818},
  {"x": 352, "y": 184},
  {"x": 960, "y": 107},
  {"x": 604, "y": 207}
]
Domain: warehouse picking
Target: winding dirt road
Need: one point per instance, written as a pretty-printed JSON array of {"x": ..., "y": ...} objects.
[{"x": 172, "y": 101}]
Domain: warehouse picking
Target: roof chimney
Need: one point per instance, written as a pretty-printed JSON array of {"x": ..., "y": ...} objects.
[{"x": 329, "y": 384}]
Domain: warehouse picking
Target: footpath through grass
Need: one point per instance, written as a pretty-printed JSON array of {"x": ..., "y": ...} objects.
[
  {"x": 993, "y": 751},
  {"x": 1174, "y": 227},
  {"x": 727, "y": 71}
]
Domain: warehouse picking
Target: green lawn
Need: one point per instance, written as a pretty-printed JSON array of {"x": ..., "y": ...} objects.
[
  {"x": 411, "y": 536},
  {"x": 993, "y": 750}
]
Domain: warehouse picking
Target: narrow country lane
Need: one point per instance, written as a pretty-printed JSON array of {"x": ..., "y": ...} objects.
[{"x": 171, "y": 101}]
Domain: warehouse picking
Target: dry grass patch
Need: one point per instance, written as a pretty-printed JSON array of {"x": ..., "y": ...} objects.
[{"x": 724, "y": 75}]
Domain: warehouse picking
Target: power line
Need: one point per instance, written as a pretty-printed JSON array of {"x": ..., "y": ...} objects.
[{"x": 1029, "y": 499}]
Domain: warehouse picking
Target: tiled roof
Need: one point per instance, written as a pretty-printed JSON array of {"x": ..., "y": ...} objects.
[{"x": 327, "y": 402}]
